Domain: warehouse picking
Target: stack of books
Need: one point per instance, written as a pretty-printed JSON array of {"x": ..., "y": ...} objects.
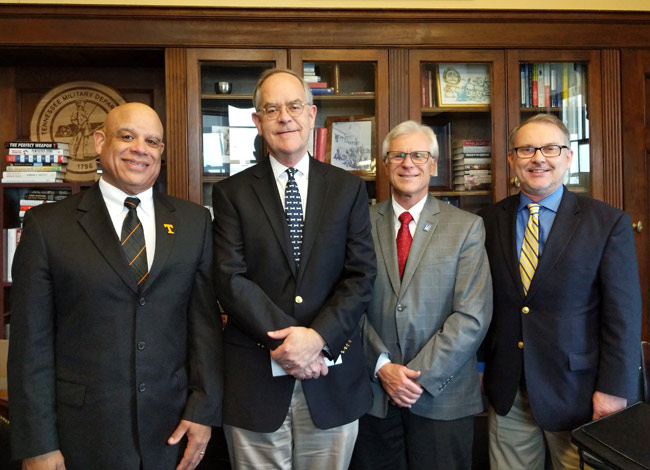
[
  {"x": 472, "y": 159},
  {"x": 36, "y": 197},
  {"x": 318, "y": 143},
  {"x": 10, "y": 239},
  {"x": 35, "y": 162},
  {"x": 317, "y": 85}
]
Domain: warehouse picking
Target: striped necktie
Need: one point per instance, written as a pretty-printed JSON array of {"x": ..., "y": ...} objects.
[
  {"x": 530, "y": 247},
  {"x": 133, "y": 242},
  {"x": 293, "y": 212}
]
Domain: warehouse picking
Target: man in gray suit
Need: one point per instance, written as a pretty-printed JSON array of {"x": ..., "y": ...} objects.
[{"x": 431, "y": 307}]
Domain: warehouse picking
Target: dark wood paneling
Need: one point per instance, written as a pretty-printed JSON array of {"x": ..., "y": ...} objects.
[
  {"x": 612, "y": 147},
  {"x": 636, "y": 149},
  {"x": 198, "y": 27},
  {"x": 176, "y": 150}
]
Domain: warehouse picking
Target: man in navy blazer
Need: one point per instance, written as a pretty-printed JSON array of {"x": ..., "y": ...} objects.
[
  {"x": 295, "y": 375},
  {"x": 108, "y": 371},
  {"x": 567, "y": 351}
]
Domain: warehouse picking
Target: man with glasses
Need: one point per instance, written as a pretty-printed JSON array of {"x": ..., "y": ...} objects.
[
  {"x": 563, "y": 346},
  {"x": 430, "y": 309},
  {"x": 294, "y": 288}
]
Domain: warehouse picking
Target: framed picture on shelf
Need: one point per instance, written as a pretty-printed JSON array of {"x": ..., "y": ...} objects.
[
  {"x": 463, "y": 85},
  {"x": 441, "y": 179},
  {"x": 351, "y": 144}
]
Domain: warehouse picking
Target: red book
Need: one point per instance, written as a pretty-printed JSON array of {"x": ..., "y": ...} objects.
[
  {"x": 321, "y": 143},
  {"x": 317, "y": 84}
]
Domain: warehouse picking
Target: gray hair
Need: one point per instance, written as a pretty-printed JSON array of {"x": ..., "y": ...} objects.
[
  {"x": 407, "y": 127},
  {"x": 550, "y": 119},
  {"x": 267, "y": 73}
]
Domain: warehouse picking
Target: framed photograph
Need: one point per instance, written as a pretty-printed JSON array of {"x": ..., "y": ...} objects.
[
  {"x": 461, "y": 84},
  {"x": 442, "y": 178},
  {"x": 351, "y": 144}
]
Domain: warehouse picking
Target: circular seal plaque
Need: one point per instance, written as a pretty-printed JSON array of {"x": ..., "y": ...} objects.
[{"x": 71, "y": 113}]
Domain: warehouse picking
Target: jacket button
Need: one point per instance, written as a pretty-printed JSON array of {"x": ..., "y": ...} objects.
[
  {"x": 400, "y": 307},
  {"x": 520, "y": 345},
  {"x": 141, "y": 301},
  {"x": 525, "y": 310},
  {"x": 141, "y": 345},
  {"x": 298, "y": 299},
  {"x": 142, "y": 387}
]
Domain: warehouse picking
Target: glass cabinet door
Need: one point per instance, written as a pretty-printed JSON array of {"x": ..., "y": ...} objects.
[
  {"x": 560, "y": 84},
  {"x": 460, "y": 95},
  {"x": 220, "y": 97},
  {"x": 350, "y": 90}
]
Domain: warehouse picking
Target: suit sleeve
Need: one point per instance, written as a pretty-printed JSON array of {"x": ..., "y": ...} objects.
[
  {"x": 205, "y": 352},
  {"x": 462, "y": 332},
  {"x": 31, "y": 365},
  {"x": 340, "y": 315},
  {"x": 620, "y": 314},
  {"x": 256, "y": 312},
  {"x": 373, "y": 346}
]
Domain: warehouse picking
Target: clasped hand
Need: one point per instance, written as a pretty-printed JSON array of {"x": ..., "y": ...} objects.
[
  {"x": 300, "y": 353},
  {"x": 400, "y": 384}
]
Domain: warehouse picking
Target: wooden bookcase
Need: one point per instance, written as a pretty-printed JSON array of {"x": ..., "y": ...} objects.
[{"x": 160, "y": 55}]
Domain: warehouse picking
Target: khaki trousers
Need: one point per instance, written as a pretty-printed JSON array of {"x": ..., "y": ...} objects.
[
  {"x": 297, "y": 445},
  {"x": 516, "y": 442}
]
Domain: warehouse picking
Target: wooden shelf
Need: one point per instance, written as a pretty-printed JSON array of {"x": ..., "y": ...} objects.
[{"x": 455, "y": 109}]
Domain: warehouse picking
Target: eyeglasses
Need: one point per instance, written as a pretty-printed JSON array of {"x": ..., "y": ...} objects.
[
  {"x": 294, "y": 109},
  {"x": 418, "y": 158},
  {"x": 549, "y": 151}
]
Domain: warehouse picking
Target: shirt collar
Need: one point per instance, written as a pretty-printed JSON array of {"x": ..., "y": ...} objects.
[
  {"x": 114, "y": 197},
  {"x": 415, "y": 211},
  {"x": 279, "y": 169},
  {"x": 550, "y": 202}
]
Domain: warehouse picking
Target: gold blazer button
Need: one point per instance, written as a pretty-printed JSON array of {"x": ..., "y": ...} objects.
[
  {"x": 298, "y": 299},
  {"x": 525, "y": 310},
  {"x": 520, "y": 345}
]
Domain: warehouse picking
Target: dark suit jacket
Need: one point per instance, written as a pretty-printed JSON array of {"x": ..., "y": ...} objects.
[
  {"x": 260, "y": 290},
  {"x": 581, "y": 332},
  {"x": 97, "y": 367}
]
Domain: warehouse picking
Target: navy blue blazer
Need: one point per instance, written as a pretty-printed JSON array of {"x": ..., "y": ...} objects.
[
  {"x": 579, "y": 328},
  {"x": 260, "y": 290}
]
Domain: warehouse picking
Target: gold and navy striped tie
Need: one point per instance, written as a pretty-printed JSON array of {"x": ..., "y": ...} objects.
[
  {"x": 133, "y": 242},
  {"x": 530, "y": 247}
]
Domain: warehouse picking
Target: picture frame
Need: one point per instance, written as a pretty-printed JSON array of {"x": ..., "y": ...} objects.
[
  {"x": 442, "y": 178},
  {"x": 464, "y": 85},
  {"x": 351, "y": 144}
]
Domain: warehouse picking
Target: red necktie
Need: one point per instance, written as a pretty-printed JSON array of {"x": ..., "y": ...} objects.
[{"x": 403, "y": 241}]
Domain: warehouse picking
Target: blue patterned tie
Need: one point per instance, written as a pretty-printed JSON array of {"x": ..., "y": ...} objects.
[
  {"x": 133, "y": 242},
  {"x": 293, "y": 210}
]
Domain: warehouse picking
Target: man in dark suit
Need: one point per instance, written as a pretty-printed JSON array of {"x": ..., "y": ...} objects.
[
  {"x": 108, "y": 367},
  {"x": 563, "y": 346},
  {"x": 430, "y": 309},
  {"x": 294, "y": 289}
]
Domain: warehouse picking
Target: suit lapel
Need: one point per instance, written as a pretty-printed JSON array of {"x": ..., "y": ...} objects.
[
  {"x": 564, "y": 226},
  {"x": 507, "y": 223},
  {"x": 94, "y": 219},
  {"x": 429, "y": 218},
  {"x": 165, "y": 228},
  {"x": 386, "y": 240},
  {"x": 266, "y": 190},
  {"x": 316, "y": 200}
]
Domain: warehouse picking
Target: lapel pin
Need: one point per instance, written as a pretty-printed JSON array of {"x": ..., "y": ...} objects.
[
  {"x": 427, "y": 227},
  {"x": 170, "y": 228}
]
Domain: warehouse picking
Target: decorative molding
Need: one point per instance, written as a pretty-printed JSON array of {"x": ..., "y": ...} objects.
[
  {"x": 611, "y": 135},
  {"x": 398, "y": 97},
  {"x": 176, "y": 110}
]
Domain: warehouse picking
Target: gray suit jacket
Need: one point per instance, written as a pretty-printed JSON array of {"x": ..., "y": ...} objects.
[{"x": 434, "y": 319}]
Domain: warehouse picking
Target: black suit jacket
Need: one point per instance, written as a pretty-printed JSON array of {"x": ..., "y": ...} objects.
[
  {"x": 261, "y": 290},
  {"x": 580, "y": 322},
  {"x": 97, "y": 367}
]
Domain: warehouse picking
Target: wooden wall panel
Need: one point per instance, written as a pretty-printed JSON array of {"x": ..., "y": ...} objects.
[
  {"x": 176, "y": 146},
  {"x": 611, "y": 118}
]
